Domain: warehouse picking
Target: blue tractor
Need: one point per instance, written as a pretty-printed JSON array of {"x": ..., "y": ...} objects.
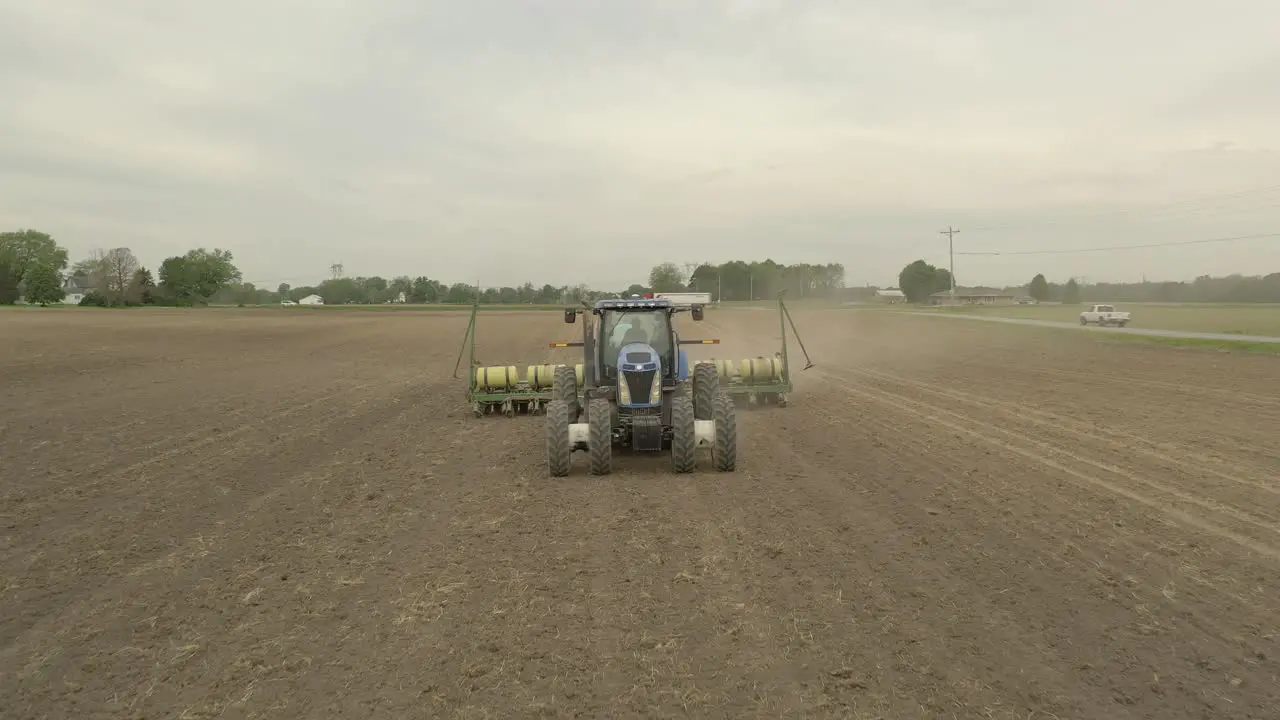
[{"x": 637, "y": 392}]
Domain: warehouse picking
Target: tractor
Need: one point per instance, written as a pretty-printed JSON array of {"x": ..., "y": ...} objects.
[{"x": 637, "y": 392}]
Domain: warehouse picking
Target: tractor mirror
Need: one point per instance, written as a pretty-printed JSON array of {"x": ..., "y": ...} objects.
[
  {"x": 570, "y": 316},
  {"x": 697, "y": 313}
]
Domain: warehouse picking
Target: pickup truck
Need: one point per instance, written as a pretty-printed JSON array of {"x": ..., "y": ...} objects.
[{"x": 1104, "y": 315}]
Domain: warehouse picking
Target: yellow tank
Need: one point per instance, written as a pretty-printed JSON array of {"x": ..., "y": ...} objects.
[
  {"x": 577, "y": 371},
  {"x": 761, "y": 369},
  {"x": 541, "y": 377},
  {"x": 725, "y": 368},
  {"x": 497, "y": 378}
]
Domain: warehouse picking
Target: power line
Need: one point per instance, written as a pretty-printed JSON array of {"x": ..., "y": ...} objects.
[
  {"x": 1234, "y": 238},
  {"x": 1136, "y": 211}
]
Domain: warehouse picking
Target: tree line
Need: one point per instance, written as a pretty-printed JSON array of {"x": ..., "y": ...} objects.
[
  {"x": 918, "y": 280},
  {"x": 1234, "y": 288},
  {"x": 741, "y": 280},
  {"x": 35, "y": 268}
]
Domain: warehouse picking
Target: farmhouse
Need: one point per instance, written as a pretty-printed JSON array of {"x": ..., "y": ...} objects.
[
  {"x": 891, "y": 296},
  {"x": 970, "y": 298},
  {"x": 75, "y": 288},
  {"x": 311, "y": 300}
]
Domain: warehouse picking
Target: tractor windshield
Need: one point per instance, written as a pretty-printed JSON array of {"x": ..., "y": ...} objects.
[{"x": 622, "y": 327}]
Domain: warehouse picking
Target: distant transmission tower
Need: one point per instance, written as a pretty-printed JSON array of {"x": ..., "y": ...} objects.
[{"x": 336, "y": 270}]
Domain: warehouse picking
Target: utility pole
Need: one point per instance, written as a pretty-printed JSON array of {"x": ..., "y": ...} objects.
[{"x": 950, "y": 232}]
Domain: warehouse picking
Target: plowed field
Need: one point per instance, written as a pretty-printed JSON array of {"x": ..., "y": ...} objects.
[{"x": 270, "y": 514}]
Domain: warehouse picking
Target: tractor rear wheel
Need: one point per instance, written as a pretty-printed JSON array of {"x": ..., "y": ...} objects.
[
  {"x": 600, "y": 436},
  {"x": 725, "y": 450},
  {"x": 706, "y": 385},
  {"x": 564, "y": 386},
  {"x": 557, "y": 438},
  {"x": 684, "y": 443}
]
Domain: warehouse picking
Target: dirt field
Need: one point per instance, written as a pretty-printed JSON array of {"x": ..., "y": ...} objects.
[{"x": 265, "y": 514}]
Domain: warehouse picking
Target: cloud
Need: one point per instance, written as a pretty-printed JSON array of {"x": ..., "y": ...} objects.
[{"x": 496, "y": 137}]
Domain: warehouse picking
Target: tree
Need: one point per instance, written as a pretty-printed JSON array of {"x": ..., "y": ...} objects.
[
  {"x": 142, "y": 287},
  {"x": 706, "y": 278},
  {"x": 26, "y": 249},
  {"x": 426, "y": 291},
  {"x": 9, "y": 282},
  {"x": 402, "y": 284},
  {"x": 22, "y": 251},
  {"x": 118, "y": 268},
  {"x": 283, "y": 290},
  {"x": 44, "y": 285},
  {"x": 196, "y": 276},
  {"x": 919, "y": 280},
  {"x": 1071, "y": 293},
  {"x": 667, "y": 277},
  {"x": 1038, "y": 288}
]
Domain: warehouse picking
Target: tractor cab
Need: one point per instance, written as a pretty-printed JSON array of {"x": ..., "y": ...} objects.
[
  {"x": 628, "y": 336},
  {"x": 632, "y": 349}
]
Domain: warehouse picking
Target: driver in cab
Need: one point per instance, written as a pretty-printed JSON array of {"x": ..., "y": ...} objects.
[{"x": 627, "y": 331}]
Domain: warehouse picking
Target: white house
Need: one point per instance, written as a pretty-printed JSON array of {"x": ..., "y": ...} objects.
[
  {"x": 75, "y": 288},
  {"x": 890, "y": 295},
  {"x": 311, "y": 300}
]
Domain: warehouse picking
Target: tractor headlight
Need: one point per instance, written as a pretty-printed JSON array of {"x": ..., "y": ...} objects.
[
  {"x": 655, "y": 392},
  {"x": 624, "y": 393}
]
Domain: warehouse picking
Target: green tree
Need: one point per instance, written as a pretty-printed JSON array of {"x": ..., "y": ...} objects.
[
  {"x": 706, "y": 278},
  {"x": 667, "y": 277},
  {"x": 9, "y": 282},
  {"x": 44, "y": 285},
  {"x": 22, "y": 251},
  {"x": 425, "y": 291},
  {"x": 460, "y": 294},
  {"x": 25, "y": 249},
  {"x": 919, "y": 280},
  {"x": 1038, "y": 288},
  {"x": 402, "y": 284},
  {"x": 340, "y": 291},
  {"x": 142, "y": 288},
  {"x": 1071, "y": 293},
  {"x": 198, "y": 275}
]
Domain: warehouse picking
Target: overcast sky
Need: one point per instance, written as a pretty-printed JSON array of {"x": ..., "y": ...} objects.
[{"x": 570, "y": 141}]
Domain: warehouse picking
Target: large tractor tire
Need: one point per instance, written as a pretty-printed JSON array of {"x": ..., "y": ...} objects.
[
  {"x": 725, "y": 450},
  {"x": 684, "y": 443},
  {"x": 706, "y": 386},
  {"x": 557, "y": 438},
  {"x": 600, "y": 436},
  {"x": 564, "y": 387}
]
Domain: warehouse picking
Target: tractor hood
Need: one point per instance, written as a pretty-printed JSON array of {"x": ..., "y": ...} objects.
[
  {"x": 639, "y": 372},
  {"x": 638, "y": 356}
]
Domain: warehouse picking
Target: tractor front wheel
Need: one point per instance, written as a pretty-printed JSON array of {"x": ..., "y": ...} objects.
[
  {"x": 557, "y": 438},
  {"x": 684, "y": 443},
  {"x": 725, "y": 450},
  {"x": 600, "y": 436},
  {"x": 564, "y": 387},
  {"x": 706, "y": 386}
]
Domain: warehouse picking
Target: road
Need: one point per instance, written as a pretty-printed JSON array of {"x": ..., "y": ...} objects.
[{"x": 1128, "y": 331}]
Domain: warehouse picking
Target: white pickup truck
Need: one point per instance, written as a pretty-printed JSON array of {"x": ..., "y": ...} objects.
[{"x": 1104, "y": 315}]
